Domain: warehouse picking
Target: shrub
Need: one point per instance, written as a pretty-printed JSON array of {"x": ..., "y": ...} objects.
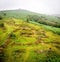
[
  {"x": 52, "y": 56},
  {"x": 12, "y": 36},
  {"x": 4, "y": 14},
  {"x": 1, "y": 18},
  {"x": 1, "y": 24}
]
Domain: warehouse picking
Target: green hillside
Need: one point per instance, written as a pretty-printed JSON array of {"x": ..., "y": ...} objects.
[
  {"x": 24, "y": 39},
  {"x": 31, "y": 16}
]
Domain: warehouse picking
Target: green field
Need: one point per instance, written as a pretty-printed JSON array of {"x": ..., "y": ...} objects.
[{"x": 26, "y": 40}]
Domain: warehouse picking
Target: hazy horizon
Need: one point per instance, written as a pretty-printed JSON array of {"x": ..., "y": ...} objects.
[{"x": 39, "y": 6}]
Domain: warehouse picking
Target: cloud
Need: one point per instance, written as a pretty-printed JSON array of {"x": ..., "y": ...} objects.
[{"x": 40, "y": 6}]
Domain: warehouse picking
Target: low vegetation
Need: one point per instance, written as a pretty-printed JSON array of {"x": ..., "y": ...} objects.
[{"x": 28, "y": 39}]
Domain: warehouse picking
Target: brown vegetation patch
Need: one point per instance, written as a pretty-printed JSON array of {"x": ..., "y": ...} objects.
[{"x": 38, "y": 51}]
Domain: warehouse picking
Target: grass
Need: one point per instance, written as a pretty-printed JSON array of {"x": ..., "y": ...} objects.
[
  {"x": 29, "y": 42},
  {"x": 48, "y": 28}
]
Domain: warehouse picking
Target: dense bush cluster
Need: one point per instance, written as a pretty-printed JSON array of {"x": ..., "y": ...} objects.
[
  {"x": 42, "y": 20},
  {"x": 52, "y": 56}
]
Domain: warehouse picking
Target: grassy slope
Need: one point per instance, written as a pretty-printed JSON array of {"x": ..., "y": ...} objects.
[
  {"x": 20, "y": 14},
  {"x": 23, "y": 14},
  {"x": 29, "y": 42},
  {"x": 49, "y": 28}
]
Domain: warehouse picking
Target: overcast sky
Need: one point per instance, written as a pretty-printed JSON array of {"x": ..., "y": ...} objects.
[{"x": 40, "y": 6}]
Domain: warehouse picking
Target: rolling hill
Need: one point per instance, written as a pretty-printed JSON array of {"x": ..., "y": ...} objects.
[
  {"x": 26, "y": 37},
  {"x": 31, "y": 16}
]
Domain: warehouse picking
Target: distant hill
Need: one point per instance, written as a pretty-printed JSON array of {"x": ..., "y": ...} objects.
[
  {"x": 58, "y": 15},
  {"x": 31, "y": 16}
]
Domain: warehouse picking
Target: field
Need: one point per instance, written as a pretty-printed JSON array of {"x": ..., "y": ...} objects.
[{"x": 26, "y": 40}]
